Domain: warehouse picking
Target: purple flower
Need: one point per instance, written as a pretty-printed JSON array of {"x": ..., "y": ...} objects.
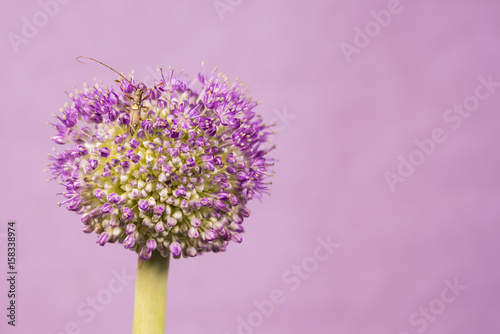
[
  {"x": 193, "y": 233},
  {"x": 195, "y": 222},
  {"x": 127, "y": 214},
  {"x": 114, "y": 222},
  {"x": 103, "y": 239},
  {"x": 191, "y": 252},
  {"x": 93, "y": 163},
  {"x": 219, "y": 205},
  {"x": 143, "y": 205},
  {"x": 171, "y": 221},
  {"x": 74, "y": 205},
  {"x": 130, "y": 229},
  {"x": 104, "y": 152},
  {"x": 159, "y": 227},
  {"x": 134, "y": 143},
  {"x": 175, "y": 248},
  {"x": 158, "y": 210},
  {"x": 151, "y": 244},
  {"x": 181, "y": 191},
  {"x": 180, "y": 183},
  {"x": 211, "y": 235},
  {"x": 113, "y": 198},
  {"x": 145, "y": 253},
  {"x": 129, "y": 242},
  {"x": 106, "y": 208}
]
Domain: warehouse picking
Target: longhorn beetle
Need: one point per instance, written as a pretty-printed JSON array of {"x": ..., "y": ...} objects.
[{"x": 137, "y": 98}]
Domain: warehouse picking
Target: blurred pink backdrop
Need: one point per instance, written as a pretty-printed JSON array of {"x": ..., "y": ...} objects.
[{"x": 353, "y": 86}]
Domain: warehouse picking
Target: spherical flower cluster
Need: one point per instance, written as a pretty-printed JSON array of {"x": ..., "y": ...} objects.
[{"x": 177, "y": 183}]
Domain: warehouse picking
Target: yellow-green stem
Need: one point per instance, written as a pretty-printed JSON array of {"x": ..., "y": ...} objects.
[{"x": 151, "y": 295}]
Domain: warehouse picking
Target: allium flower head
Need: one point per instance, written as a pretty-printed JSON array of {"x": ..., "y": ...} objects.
[{"x": 180, "y": 182}]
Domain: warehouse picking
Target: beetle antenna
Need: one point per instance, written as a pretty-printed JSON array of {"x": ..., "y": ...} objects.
[{"x": 112, "y": 69}]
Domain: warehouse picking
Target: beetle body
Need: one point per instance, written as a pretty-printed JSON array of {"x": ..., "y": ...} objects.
[{"x": 135, "y": 110}]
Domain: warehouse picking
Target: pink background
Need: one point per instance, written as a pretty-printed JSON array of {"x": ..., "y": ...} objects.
[{"x": 349, "y": 123}]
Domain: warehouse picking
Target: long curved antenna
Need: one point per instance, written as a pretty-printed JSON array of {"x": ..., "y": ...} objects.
[{"x": 112, "y": 69}]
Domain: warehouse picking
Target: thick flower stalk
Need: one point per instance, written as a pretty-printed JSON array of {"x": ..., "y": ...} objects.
[{"x": 180, "y": 181}]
